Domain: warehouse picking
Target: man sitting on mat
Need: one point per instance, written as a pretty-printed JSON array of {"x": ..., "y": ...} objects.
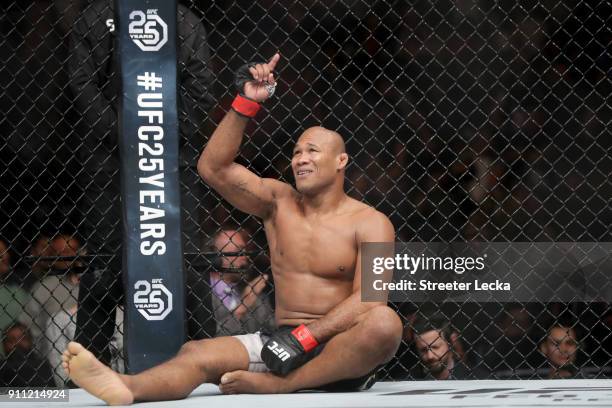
[{"x": 326, "y": 338}]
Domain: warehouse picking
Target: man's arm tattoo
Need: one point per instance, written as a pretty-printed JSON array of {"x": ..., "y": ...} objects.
[{"x": 242, "y": 187}]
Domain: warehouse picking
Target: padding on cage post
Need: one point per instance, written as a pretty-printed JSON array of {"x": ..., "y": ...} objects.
[{"x": 152, "y": 257}]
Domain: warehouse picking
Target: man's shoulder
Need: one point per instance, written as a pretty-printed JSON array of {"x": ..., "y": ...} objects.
[
  {"x": 371, "y": 224},
  {"x": 99, "y": 10},
  {"x": 462, "y": 372},
  {"x": 45, "y": 285},
  {"x": 186, "y": 15},
  {"x": 366, "y": 214},
  {"x": 190, "y": 28},
  {"x": 60, "y": 322},
  {"x": 8, "y": 291},
  {"x": 95, "y": 21}
]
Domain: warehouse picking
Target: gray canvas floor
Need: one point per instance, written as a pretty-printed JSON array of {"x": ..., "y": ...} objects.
[{"x": 456, "y": 394}]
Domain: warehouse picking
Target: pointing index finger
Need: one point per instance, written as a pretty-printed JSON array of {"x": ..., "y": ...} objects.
[{"x": 273, "y": 61}]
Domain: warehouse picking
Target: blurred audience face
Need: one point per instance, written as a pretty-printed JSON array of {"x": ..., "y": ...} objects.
[
  {"x": 5, "y": 258},
  {"x": 560, "y": 346},
  {"x": 17, "y": 337},
  {"x": 231, "y": 241},
  {"x": 434, "y": 351},
  {"x": 65, "y": 245},
  {"x": 40, "y": 248},
  {"x": 516, "y": 322}
]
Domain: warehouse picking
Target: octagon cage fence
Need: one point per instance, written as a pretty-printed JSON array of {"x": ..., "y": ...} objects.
[{"x": 464, "y": 121}]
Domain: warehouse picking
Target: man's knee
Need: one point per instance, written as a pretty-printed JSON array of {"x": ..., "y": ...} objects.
[
  {"x": 384, "y": 330},
  {"x": 191, "y": 348},
  {"x": 197, "y": 354},
  {"x": 215, "y": 356}
]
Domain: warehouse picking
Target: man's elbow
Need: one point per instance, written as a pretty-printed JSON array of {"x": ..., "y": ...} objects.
[
  {"x": 205, "y": 170},
  {"x": 210, "y": 172}
]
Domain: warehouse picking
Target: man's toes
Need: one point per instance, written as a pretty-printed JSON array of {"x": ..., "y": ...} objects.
[
  {"x": 227, "y": 378},
  {"x": 74, "y": 348},
  {"x": 227, "y": 389}
]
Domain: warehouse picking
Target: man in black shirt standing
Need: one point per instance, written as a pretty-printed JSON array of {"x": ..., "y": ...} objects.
[{"x": 95, "y": 86}]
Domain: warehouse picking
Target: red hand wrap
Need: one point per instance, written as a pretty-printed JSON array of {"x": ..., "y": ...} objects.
[
  {"x": 305, "y": 337},
  {"x": 245, "y": 106}
]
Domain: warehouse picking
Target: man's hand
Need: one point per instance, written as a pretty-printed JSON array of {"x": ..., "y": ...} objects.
[
  {"x": 249, "y": 295},
  {"x": 258, "y": 87},
  {"x": 288, "y": 349},
  {"x": 255, "y": 286}
]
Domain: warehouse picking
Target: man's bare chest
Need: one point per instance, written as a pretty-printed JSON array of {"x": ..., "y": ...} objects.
[{"x": 322, "y": 247}]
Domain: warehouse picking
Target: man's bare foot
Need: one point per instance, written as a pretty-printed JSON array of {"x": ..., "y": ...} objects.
[
  {"x": 244, "y": 382},
  {"x": 90, "y": 374}
]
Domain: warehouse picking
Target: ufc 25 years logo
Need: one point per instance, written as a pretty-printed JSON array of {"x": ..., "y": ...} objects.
[
  {"x": 152, "y": 299},
  {"x": 279, "y": 351},
  {"x": 148, "y": 31}
]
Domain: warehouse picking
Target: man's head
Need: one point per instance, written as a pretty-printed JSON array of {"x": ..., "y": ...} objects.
[
  {"x": 515, "y": 321},
  {"x": 319, "y": 160},
  {"x": 231, "y": 240},
  {"x": 5, "y": 258},
  {"x": 17, "y": 336},
  {"x": 560, "y": 345},
  {"x": 66, "y": 246},
  {"x": 433, "y": 338}
]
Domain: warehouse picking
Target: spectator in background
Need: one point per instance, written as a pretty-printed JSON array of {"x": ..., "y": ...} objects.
[
  {"x": 5, "y": 258},
  {"x": 55, "y": 292},
  {"x": 12, "y": 296},
  {"x": 560, "y": 347},
  {"x": 60, "y": 331},
  {"x": 41, "y": 248},
  {"x": 23, "y": 367},
  {"x": 509, "y": 349},
  {"x": 434, "y": 341},
  {"x": 239, "y": 302},
  {"x": 10, "y": 271}
]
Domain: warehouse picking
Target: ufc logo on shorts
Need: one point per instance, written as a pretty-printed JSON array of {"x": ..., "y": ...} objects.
[{"x": 279, "y": 351}]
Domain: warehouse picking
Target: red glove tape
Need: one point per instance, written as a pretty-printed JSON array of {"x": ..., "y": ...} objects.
[
  {"x": 305, "y": 337},
  {"x": 245, "y": 106}
]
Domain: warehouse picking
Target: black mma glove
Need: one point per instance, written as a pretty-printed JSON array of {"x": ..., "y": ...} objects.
[
  {"x": 243, "y": 75},
  {"x": 242, "y": 104},
  {"x": 288, "y": 349}
]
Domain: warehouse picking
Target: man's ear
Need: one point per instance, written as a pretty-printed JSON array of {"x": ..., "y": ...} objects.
[{"x": 342, "y": 161}]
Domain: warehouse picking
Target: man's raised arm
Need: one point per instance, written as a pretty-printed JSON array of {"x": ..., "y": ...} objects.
[{"x": 238, "y": 185}]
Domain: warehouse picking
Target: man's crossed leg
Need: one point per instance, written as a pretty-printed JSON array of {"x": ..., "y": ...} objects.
[{"x": 372, "y": 341}]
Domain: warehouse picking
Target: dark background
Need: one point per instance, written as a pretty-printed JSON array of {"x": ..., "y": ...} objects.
[{"x": 464, "y": 121}]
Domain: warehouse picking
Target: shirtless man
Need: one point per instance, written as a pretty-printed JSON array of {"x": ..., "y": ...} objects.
[{"x": 314, "y": 234}]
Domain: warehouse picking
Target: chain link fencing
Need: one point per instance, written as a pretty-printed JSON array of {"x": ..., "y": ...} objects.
[{"x": 464, "y": 121}]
